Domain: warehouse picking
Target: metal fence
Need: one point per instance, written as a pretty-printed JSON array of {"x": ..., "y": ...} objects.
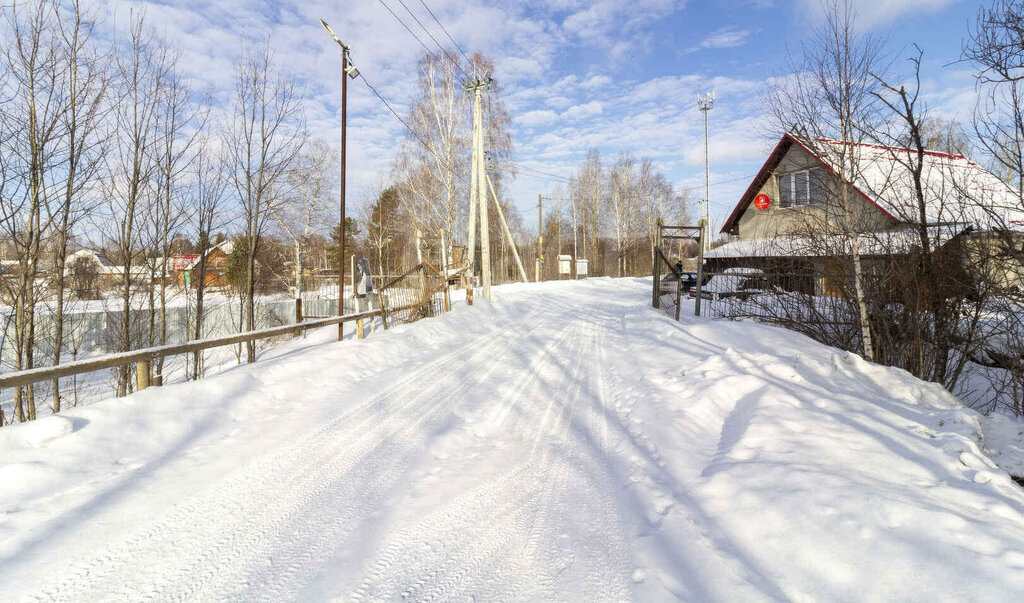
[
  {"x": 793, "y": 300},
  {"x": 97, "y": 331},
  {"x": 418, "y": 293}
]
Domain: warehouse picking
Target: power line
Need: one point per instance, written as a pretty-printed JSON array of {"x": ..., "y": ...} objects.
[
  {"x": 393, "y": 112},
  {"x": 454, "y": 59},
  {"x": 693, "y": 188},
  {"x": 538, "y": 173},
  {"x": 468, "y": 62},
  {"x": 411, "y": 32}
]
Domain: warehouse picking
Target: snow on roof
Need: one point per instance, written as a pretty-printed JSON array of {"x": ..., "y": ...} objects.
[
  {"x": 226, "y": 246},
  {"x": 99, "y": 257},
  {"x": 956, "y": 189},
  {"x": 876, "y": 243}
]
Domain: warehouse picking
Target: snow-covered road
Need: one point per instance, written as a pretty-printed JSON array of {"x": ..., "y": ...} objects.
[{"x": 564, "y": 443}]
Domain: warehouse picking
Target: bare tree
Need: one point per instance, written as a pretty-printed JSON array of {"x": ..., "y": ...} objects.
[
  {"x": 85, "y": 83},
  {"x": 208, "y": 189},
  {"x": 433, "y": 162},
  {"x": 932, "y": 206},
  {"x": 302, "y": 211},
  {"x": 623, "y": 208},
  {"x": 433, "y": 165},
  {"x": 32, "y": 61},
  {"x": 591, "y": 182},
  {"x": 383, "y": 228},
  {"x": 179, "y": 121},
  {"x": 141, "y": 63},
  {"x": 995, "y": 45},
  {"x": 264, "y": 139},
  {"x": 830, "y": 96}
]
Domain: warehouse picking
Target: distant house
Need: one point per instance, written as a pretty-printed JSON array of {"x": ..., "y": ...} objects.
[
  {"x": 98, "y": 269},
  {"x": 216, "y": 263},
  {"x": 789, "y": 218}
]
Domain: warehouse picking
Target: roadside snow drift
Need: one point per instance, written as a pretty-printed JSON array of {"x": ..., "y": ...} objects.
[{"x": 565, "y": 442}]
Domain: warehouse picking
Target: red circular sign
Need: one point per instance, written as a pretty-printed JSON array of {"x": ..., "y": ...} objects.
[{"x": 762, "y": 201}]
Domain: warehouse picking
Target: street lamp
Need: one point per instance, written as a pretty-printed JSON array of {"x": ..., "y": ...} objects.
[{"x": 346, "y": 70}]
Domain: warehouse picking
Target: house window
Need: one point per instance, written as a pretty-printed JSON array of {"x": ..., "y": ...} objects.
[{"x": 800, "y": 188}]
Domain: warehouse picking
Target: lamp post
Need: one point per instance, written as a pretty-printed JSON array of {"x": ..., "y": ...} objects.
[
  {"x": 706, "y": 102},
  {"x": 350, "y": 71}
]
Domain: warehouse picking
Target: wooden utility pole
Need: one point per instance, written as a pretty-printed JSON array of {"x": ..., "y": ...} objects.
[
  {"x": 346, "y": 72},
  {"x": 540, "y": 236}
]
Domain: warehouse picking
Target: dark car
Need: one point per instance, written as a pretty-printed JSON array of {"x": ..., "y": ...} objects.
[
  {"x": 741, "y": 283},
  {"x": 689, "y": 279}
]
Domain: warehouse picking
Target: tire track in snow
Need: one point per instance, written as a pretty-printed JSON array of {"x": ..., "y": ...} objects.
[
  {"x": 454, "y": 540},
  {"x": 315, "y": 535},
  {"x": 222, "y": 514},
  {"x": 504, "y": 527}
]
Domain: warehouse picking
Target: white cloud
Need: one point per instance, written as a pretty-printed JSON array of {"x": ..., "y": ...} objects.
[
  {"x": 584, "y": 111},
  {"x": 876, "y": 13},
  {"x": 726, "y": 37},
  {"x": 596, "y": 81},
  {"x": 532, "y": 119}
]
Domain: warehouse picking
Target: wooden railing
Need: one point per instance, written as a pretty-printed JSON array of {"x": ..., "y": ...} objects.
[{"x": 144, "y": 358}]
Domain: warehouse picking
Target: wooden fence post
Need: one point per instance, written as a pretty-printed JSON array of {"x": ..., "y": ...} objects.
[
  {"x": 360, "y": 331},
  {"x": 355, "y": 296},
  {"x": 444, "y": 271},
  {"x": 142, "y": 368}
]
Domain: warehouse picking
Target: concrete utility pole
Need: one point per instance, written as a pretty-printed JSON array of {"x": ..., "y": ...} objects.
[
  {"x": 540, "y": 237},
  {"x": 347, "y": 71},
  {"x": 706, "y": 102},
  {"x": 478, "y": 186},
  {"x": 505, "y": 229}
]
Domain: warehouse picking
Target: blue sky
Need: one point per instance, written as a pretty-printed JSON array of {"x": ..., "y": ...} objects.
[{"x": 612, "y": 74}]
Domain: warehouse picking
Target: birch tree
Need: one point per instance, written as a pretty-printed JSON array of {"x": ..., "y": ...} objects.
[
  {"x": 303, "y": 210},
  {"x": 830, "y": 94},
  {"x": 434, "y": 162}
]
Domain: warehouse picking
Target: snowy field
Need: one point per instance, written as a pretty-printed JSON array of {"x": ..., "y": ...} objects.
[{"x": 566, "y": 442}]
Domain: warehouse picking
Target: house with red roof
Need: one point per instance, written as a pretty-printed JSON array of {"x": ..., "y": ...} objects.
[{"x": 814, "y": 200}]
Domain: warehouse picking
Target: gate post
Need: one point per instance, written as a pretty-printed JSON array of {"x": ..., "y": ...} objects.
[
  {"x": 656, "y": 273},
  {"x": 700, "y": 269}
]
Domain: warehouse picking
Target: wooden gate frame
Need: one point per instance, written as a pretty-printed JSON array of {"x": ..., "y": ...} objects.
[{"x": 679, "y": 233}]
